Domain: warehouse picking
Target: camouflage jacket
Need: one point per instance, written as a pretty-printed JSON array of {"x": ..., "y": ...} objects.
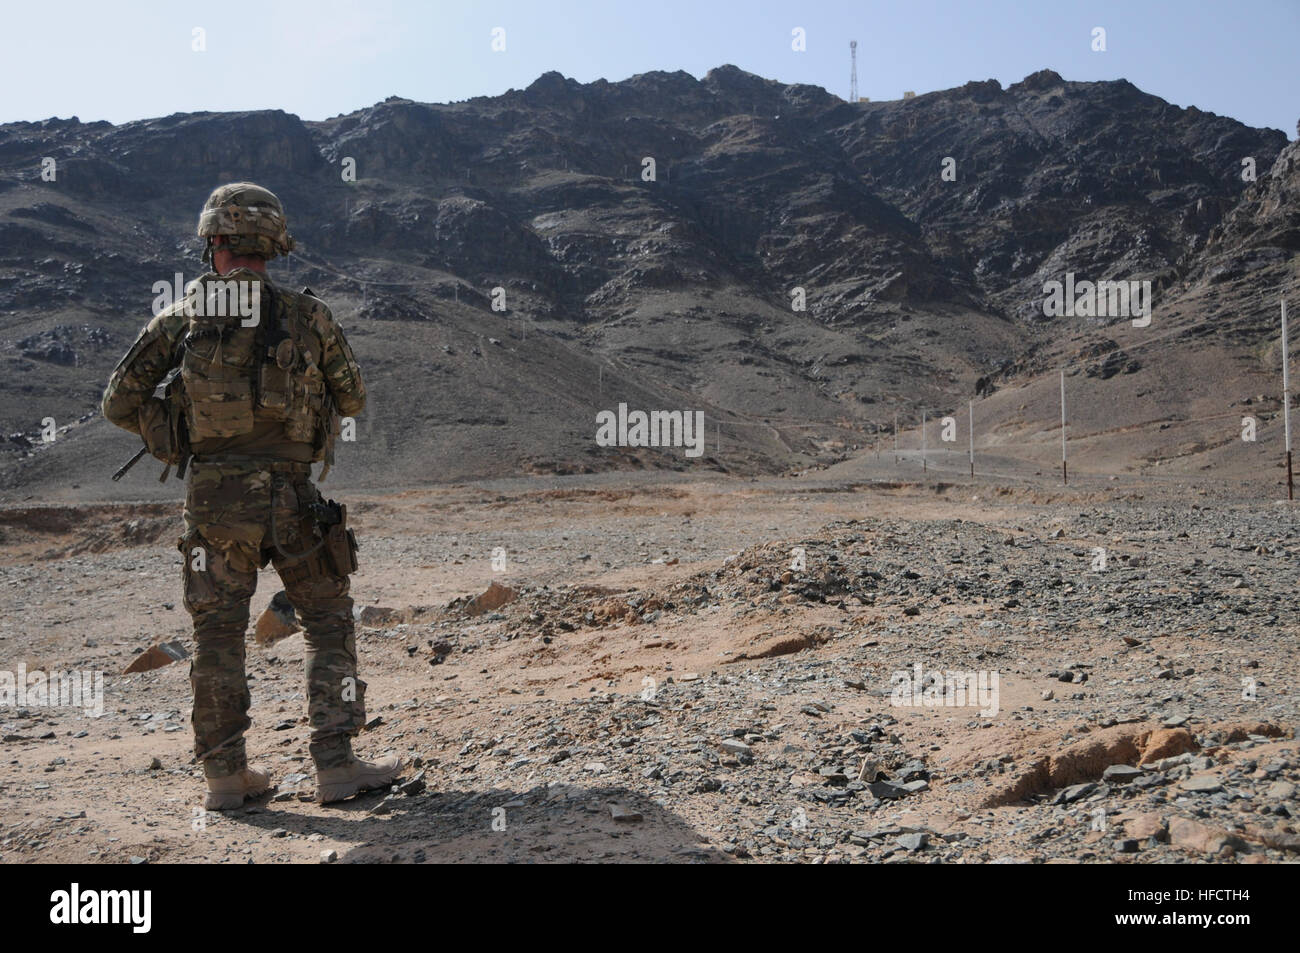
[{"x": 157, "y": 350}]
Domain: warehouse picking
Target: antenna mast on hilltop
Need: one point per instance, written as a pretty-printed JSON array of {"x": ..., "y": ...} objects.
[{"x": 853, "y": 71}]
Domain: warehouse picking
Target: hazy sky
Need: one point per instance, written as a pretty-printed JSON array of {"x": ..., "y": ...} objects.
[{"x": 134, "y": 60}]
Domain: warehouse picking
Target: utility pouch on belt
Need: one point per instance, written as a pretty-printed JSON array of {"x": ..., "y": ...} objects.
[{"x": 340, "y": 542}]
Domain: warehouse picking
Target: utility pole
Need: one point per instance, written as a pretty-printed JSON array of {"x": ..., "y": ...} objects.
[
  {"x": 970, "y": 413},
  {"x": 923, "y": 461},
  {"x": 853, "y": 71},
  {"x": 1286, "y": 405},
  {"x": 1065, "y": 474},
  {"x": 895, "y": 438}
]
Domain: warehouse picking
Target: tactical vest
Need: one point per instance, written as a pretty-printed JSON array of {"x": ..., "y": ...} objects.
[{"x": 251, "y": 352}]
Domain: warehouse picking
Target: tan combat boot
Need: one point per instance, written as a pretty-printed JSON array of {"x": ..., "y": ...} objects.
[
  {"x": 336, "y": 784},
  {"x": 230, "y": 792}
]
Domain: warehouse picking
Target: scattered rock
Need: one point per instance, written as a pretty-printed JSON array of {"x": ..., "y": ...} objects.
[
  {"x": 377, "y": 615},
  {"x": 277, "y": 621},
  {"x": 1202, "y": 784},
  {"x": 1167, "y": 742},
  {"x": 1121, "y": 773},
  {"x": 495, "y": 596},
  {"x": 1193, "y": 836},
  {"x": 1074, "y": 793},
  {"x": 164, "y": 653},
  {"x": 1145, "y": 826},
  {"x": 413, "y": 786},
  {"x": 913, "y": 842},
  {"x": 886, "y": 790},
  {"x": 736, "y": 747},
  {"x": 1280, "y": 791}
]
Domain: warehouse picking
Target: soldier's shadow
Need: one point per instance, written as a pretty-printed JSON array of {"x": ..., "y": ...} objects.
[{"x": 545, "y": 824}]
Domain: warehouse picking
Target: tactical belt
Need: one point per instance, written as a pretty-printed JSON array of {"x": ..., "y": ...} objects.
[{"x": 255, "y": 463}]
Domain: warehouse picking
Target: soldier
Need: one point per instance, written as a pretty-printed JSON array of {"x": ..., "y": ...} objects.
[{"x": 263, "y": 370}]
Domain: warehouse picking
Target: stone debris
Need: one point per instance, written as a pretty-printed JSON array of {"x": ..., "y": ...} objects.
[
  {"x": 624, "y": 815},
  {"x": 164, "y": 653},
  {"x": 802, "y": 754},
  {"x": 494, "y": 597},
  {"x": 277, "y": 621}
]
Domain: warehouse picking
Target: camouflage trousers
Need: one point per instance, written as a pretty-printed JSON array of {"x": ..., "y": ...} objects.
[{"x": 234, "y": 513}]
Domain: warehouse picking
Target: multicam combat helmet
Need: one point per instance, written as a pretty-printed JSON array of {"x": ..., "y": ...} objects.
[{"x": 251, "y": 218}]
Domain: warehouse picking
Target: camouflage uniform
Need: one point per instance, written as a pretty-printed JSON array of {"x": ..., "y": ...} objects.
[
  {"x": 246, "y": 505},
  {"x": 229, "y": 509}
]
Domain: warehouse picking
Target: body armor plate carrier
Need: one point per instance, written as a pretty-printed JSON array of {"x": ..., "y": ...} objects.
[{"x": 251, "y": 352}]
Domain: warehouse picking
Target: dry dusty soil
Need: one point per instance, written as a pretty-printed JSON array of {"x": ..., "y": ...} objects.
[{"x": 702, "y": 671}]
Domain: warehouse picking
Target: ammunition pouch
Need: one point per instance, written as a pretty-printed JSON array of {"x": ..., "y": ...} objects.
[
  {"x": 290, "y": 385},
  {"x": 217, "y": 369},
  {"x": 221, "y": 360},
  {"x": 274, "y": 387}
]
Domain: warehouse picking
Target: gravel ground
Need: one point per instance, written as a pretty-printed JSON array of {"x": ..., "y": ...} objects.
[{"x": 714, "y": 672}]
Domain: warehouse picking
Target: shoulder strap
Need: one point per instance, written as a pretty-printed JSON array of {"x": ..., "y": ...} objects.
[
  {"x": 286, "y": 318},
  {"x": 306, "y": 306}
]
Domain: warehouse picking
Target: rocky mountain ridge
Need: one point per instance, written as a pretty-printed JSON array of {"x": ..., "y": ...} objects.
[{"x": 920, "y": 234}]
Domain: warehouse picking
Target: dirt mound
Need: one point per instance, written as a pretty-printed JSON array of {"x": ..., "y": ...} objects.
[
  {"x": 1166, "y": 743},
  {"x": 608, "y": 496},
  {"x": 57, "y": 531},
  {"x": 1085, "y": 760},
  {"x": 787, "y": 644}
]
